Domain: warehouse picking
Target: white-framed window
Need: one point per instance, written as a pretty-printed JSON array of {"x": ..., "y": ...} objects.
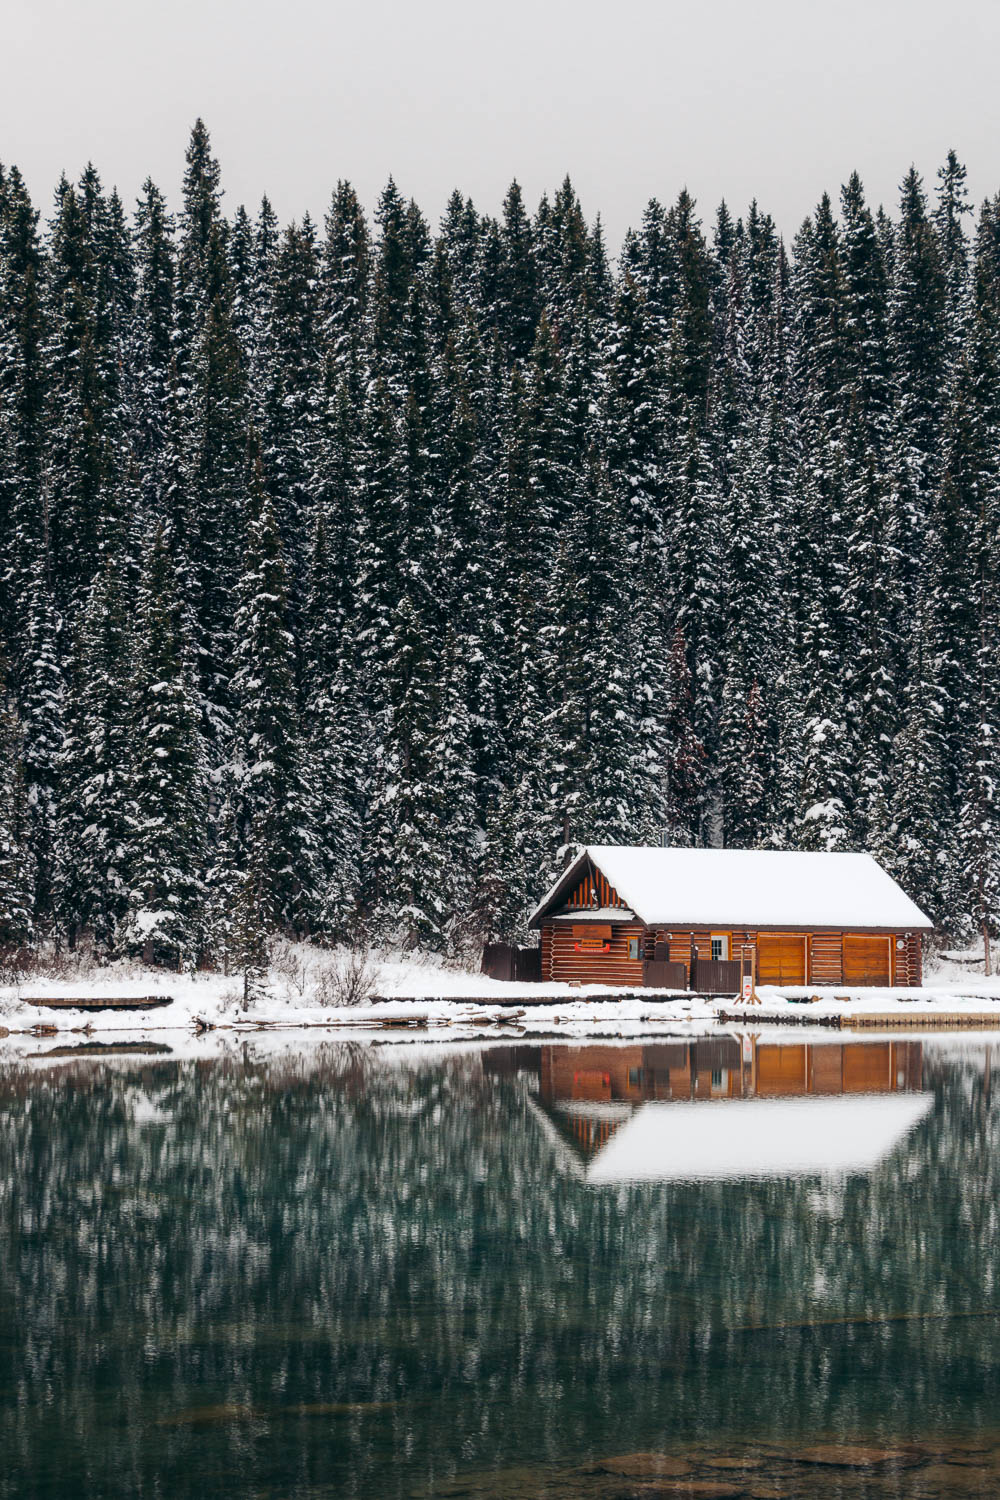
[
  {"x": 633, "y": 947},
  {"x": 720, "y": 945}
]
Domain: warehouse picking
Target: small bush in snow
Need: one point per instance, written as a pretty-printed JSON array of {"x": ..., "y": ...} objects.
[
  {"x": 348, "y": 979},
  {"x": 293, "y": 964},
  {"x": 15, "y": 964}
]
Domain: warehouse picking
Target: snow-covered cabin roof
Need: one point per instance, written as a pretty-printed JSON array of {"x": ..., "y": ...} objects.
[
  {"x": 720, "y": 1139},
  {"x": 743, "y": 888}
]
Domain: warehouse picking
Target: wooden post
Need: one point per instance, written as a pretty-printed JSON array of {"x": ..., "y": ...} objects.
[{"x": 748, "y": 975}]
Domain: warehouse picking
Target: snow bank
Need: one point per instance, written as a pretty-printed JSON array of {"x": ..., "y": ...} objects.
[{"x": 420, "y": 990}]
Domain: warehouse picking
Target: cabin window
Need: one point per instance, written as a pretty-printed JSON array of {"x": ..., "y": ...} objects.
[
  {"x": 633, "y": 947},
  {"x": 720, "y": 945}
]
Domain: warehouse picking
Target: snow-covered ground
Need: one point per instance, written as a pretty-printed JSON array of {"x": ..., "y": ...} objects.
[{"x": 420, "y": 989}]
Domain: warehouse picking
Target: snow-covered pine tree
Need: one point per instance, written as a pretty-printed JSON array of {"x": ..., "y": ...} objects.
[
  {"x": 606, "y": 794},
  {"x": 292, "y": 392},
  {"x": 80, "y": 454},
  {"x": 918, "y": 348},
  {"x": 949, "y": 214},
  {"x": 44, "y": 714},
  {"x": 272, "y": 791},
  {"x": 826, "y": 759},
  {"x": 920, "y": 850},
  {"x": 466, "y": 754},
  {"x": 97, "y": 760},
  {"x": 152, "y": 350},
  {"x": 17, "y": 874},
  {"x": 976, "y": 887},
  {"x": 635, "y": 444},
  {"x": 684, "y": 752},
  {"x": 344, "y": 271},
  {"x": 199, "y": 222},
  {"x": 251, "y": 931},
  {"x": 873, "y": 598},
  {"x": 334, "y": 731},
  {"x": 460, "y": 241},
  {"x": 971, "y": 485},
  {"x": 407, "y": 853},
  {"x": 518, "y": 298},
  {"x": 751, "y": 442},
  {"x": 211, "y": 481},
  {"x": 23, "y": 521},
  {"x": 168, "y": 791},
  {"x": 392, "y": 275},
  {"x": 529, "y": 482}
]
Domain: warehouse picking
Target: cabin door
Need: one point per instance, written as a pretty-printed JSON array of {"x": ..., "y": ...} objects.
[
  {"x": 781, "y": 958},
  {"x": 866, "y": 959}
]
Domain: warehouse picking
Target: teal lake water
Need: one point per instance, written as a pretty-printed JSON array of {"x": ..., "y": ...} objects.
[{"x": 691, "y": 1267}]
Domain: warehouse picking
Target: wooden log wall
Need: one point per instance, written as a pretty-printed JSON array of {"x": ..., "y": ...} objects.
[
  {"x": 566, "y": 961},
  {"x": 909, "y": 961},
  {"x": 826, "y": 958},
  {"x": 823, "y": 951}
]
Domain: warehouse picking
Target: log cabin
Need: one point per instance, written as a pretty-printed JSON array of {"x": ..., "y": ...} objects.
[{"x": 694, "y": 918}]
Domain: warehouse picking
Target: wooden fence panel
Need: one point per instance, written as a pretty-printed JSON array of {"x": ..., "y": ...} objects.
[
  {"x": 504, "y": 961},
  {"x": 715, "y": 976},
  {"x": 663, "y": 975}
]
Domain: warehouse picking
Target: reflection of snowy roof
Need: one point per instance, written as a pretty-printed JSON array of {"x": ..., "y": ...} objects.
[
  {"x": 594, "y": 1109},
  {"x": 757, "y": 1138},
  {"x": 746, "y": 887}
]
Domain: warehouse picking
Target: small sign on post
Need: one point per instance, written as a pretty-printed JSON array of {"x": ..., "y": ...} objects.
[{"x": 748, "y": 975}]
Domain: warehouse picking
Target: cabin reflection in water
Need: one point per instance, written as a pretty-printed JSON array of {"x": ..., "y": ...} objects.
[{"x": 590, "y": 1092}]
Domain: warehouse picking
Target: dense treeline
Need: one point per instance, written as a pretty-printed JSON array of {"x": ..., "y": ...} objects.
[{"x": 351, "y": 573}]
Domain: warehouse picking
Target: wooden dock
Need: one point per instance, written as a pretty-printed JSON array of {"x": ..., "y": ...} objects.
[
  {"x": 959, "y": 1020},
  {"x": 94, "y": 1002},
  {"x": 893, "y": 1020}
]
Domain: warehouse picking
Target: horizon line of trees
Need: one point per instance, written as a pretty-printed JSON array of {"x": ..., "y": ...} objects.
[{"x": 351, "y": 574}]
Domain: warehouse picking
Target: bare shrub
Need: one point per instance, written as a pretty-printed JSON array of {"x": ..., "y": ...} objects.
[
  {"x": 16, "y": 964},
  {"x": 349, "y": 978},
  {"x": 289, "y": 963}
]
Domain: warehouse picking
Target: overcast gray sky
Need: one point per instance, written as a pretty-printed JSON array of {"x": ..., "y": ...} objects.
[{"x": 774, "y": 98}]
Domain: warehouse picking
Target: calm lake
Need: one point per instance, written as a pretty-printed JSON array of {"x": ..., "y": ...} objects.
[{"x": 711, "y": 1266}]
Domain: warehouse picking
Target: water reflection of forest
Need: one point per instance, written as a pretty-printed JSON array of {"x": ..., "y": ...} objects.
[{"x": 360, "y": 1270}]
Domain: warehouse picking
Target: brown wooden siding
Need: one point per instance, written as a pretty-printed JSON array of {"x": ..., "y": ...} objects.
[
  {"x": 583, "y": 896},
  {"x": 546, "y": 951},
  {"x": 572, "y": 964},
  {"x": 827, "y": 957},
  {"x": 908, "y": 961}
]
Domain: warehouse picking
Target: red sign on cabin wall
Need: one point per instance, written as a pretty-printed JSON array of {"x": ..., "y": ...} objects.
[{"x": 592, "y": 939}]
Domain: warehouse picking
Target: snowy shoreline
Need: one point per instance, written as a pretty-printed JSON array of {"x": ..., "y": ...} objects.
[{"x": 416, "y": 992}]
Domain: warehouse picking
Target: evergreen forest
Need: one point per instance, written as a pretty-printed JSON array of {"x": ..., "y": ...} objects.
[{"x": 350, "y": 573}]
